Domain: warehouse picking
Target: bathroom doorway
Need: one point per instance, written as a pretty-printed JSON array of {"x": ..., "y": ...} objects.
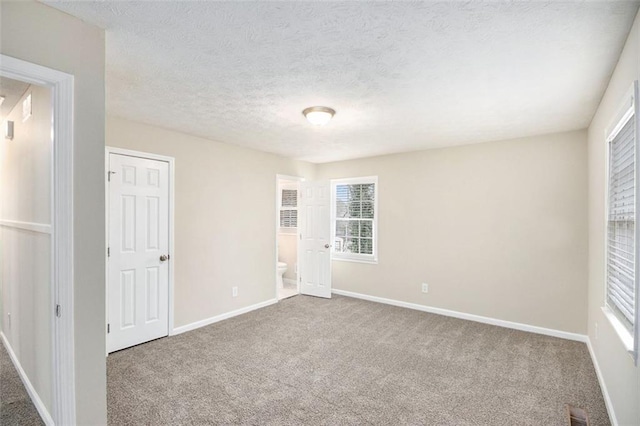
[
  {"x": 287, "y": 236},
  {"x": 36, "y": 234}
]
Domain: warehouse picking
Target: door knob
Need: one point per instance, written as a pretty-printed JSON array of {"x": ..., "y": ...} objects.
[
  {"x": 327, "y": 245},
  {"x": 163, "y": 258}
]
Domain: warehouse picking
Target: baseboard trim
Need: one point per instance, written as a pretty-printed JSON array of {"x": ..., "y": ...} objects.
[
  {"x": 42, "y": 228},
  {"x": 603, "y": 386},
  {"x": 217, "y": 318},
  {"x": 35, "y": 398},
  {"x": 470, "y": 317}
]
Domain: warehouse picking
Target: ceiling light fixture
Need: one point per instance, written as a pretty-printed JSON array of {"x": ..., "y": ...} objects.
[{"x": 318, "y": 115}]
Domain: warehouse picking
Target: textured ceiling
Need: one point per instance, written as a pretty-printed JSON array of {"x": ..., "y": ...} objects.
[{"x": 402, "y": 76}]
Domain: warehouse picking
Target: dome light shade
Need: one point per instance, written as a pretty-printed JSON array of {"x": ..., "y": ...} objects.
[{"x": 318, "y": 115}]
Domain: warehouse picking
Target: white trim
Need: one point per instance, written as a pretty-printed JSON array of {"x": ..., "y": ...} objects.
[
  {"x": 217, "y": 318},
  {"x": 624, "y": 119},
  {"x": 470, "y": 317},
  {"x": 139, "y": 154},
  {"x": 299, "y": 179},
  {"x": 172, "y": 239},
  {"x": 106, "y": 254},
  {"x": 171, "y": 161},
  {"x": 35, "y": 398},
  {"x": 625, "y": 111},
  {"x": 603, "y": 386},
  {"x": 355, "y": 257},
  {"x": 62, "y": 335},
  {"x": 348, "y": 259},
  {"x": 42, "y": 228}
]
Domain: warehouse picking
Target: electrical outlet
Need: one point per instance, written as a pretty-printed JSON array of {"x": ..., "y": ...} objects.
[
  {"x": 425, "y": 288},
  {"x": 234, "y": 291}
]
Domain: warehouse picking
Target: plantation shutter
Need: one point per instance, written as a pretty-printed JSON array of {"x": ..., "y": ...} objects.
[
  {"x": 289, "y": 198},
  {"x": 621, "y": 244},
  {"x": 289, "y": 209}
]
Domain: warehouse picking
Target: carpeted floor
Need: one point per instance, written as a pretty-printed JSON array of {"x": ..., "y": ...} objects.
[
  {"x": 16, "y": 407},
  {"x": 346, "y": 361}
]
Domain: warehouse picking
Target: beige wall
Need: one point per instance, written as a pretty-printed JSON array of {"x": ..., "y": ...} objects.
[
  {"x": 37, "y": 33},
  {"x": 496, "y": 229},
  {"x": 25, "y": 165},
  {"x": 621, "y": 377},
  {"x": 224, "y": 217},
  {"x": 25, "y": 270}
]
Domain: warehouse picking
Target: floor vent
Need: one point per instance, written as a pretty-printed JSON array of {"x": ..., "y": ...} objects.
[{"x": 576, "y": 416}]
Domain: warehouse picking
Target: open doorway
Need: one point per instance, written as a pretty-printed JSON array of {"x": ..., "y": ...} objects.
[
  {"x": 26, "y": 311},
  {"x": 36, "y": 235},
  {"x": 287, "y": 236}
]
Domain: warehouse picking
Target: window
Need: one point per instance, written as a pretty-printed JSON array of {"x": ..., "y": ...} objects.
[
  {"x": 621, "y": 268},
  {"x": 289, "y": 208},
  {"x": 355, "y": 219}
]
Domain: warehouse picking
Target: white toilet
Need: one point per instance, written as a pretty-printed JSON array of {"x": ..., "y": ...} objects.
[{"x": 282, "y": 268}]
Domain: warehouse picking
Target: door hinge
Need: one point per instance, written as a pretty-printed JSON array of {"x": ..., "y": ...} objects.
[
  {"x": 108, "y": 328},
  {"x": 300, "y": 237},
  {"x": 58, "y": 311},
  {"x": 108, "y": 251}
]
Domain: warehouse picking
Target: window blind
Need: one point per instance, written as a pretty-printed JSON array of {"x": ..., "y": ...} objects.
[
  {"x": 289, "y": 198},
  {"x": 288, "y": 218},
  {"x": 621, "y": 244},
  {"x": 289, "y": 209}
]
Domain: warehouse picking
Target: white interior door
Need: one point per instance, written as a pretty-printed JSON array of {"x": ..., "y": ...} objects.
[
  {"x": 138, "y": 251},
  {"x": 315, "y": 264}
]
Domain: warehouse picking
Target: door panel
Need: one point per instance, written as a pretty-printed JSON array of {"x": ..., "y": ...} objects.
[
  {"x": 153, "y": 294},
  {"x": 316, "y": 239},
  {"x": 128, "y": 298},
  {"x": 153, "y": 223},
  {"x": 138, "y": 235}
]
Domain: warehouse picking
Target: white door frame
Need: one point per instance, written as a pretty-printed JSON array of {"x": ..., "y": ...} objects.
[
  {"x": 62, "y": 337},
  {"x": 113, "y": 150},
  {"x": 278, "y": 179}
]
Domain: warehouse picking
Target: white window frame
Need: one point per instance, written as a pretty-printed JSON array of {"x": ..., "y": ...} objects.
[
  {"x": 630, "y": 107},
  {"x": 355, "y": 257}
]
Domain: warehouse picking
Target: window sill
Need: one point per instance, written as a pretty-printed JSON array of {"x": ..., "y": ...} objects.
[
  {"x": 622, "y": 332},
  {"x": 373, "y": 261}
]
